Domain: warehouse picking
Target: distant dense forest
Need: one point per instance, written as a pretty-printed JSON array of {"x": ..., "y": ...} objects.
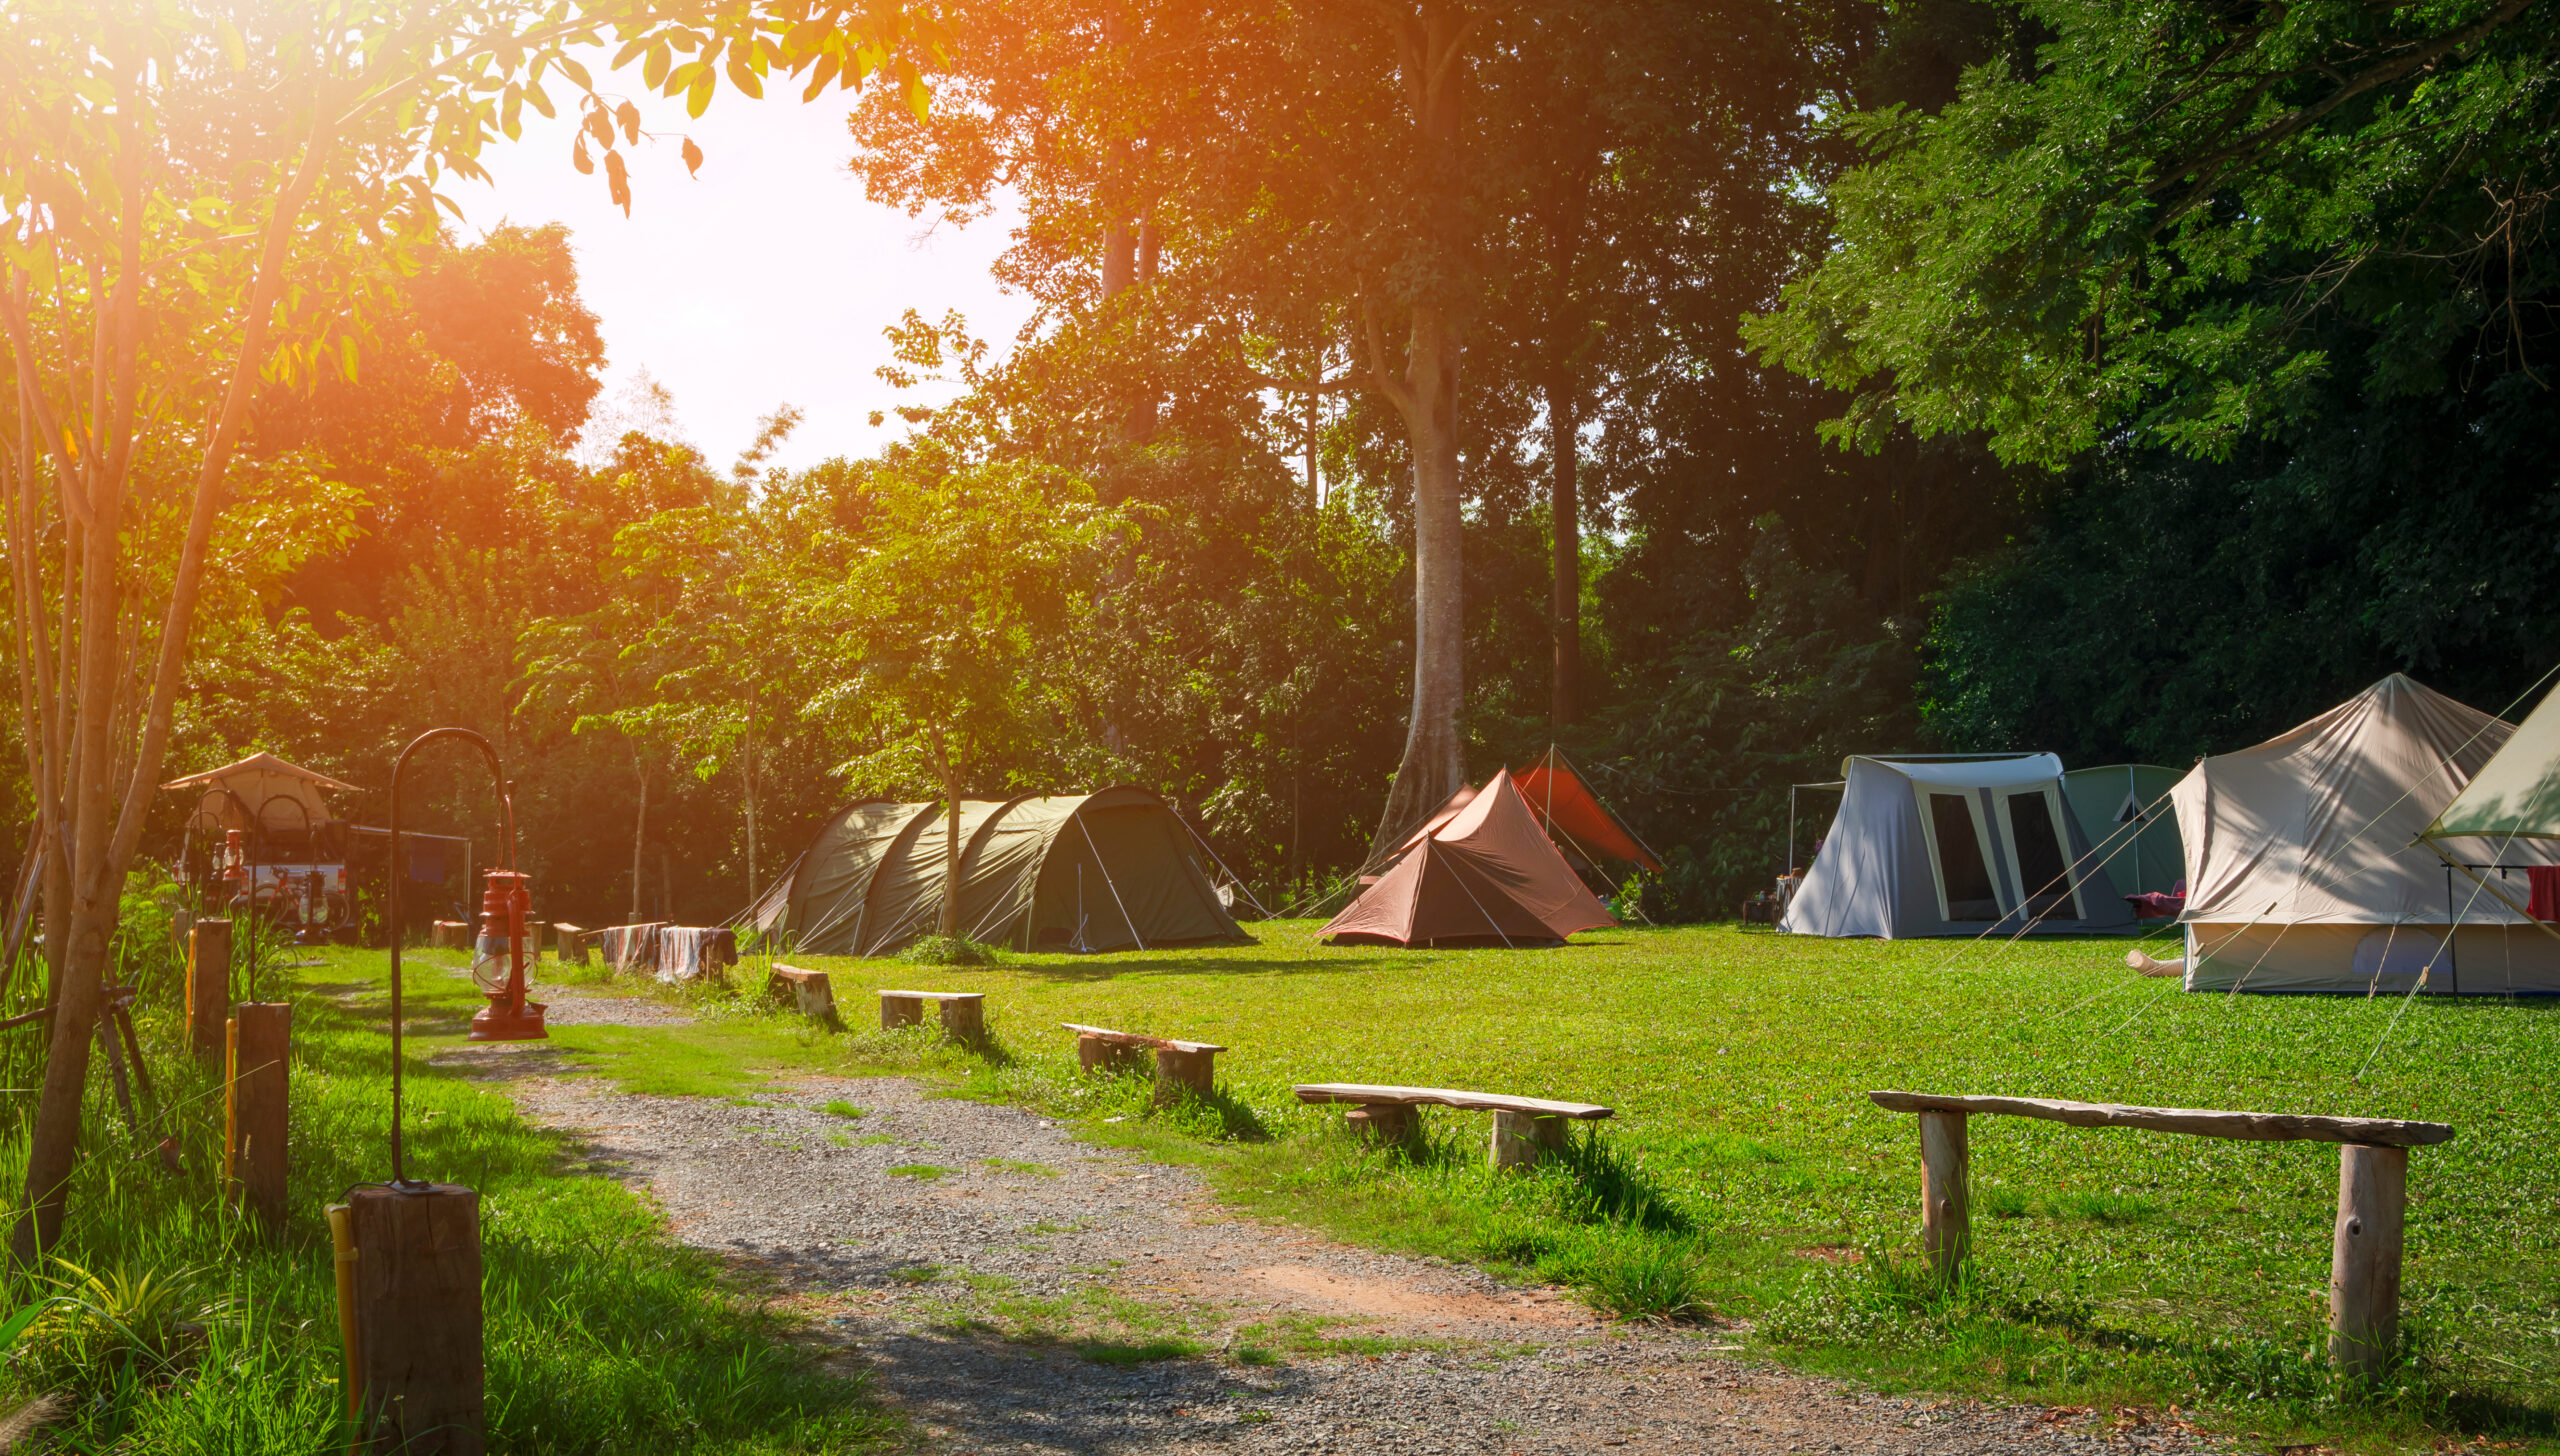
[{"x": 1881, "y": 421}]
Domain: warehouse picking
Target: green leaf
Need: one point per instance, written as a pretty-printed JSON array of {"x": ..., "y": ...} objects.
[
  {"x": 653, "y": 71},
  {"x": 698, "y": 99}
]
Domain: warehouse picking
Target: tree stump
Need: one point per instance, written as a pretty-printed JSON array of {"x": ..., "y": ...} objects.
[
  {"x": 1946, "y": 1199},
  {"x": 900, "y": 1008},
  {"x": 1179, "y": 1071},
  {"x": 255, "y": 1110},
  {"x": 418, "y": 1350},
  {"x": 1523, "y": 1139},
  {"x": 208, "y": 986},
  {"x": 2364, "y": 1258},
  {"x": 964, "y": 1019},
  {"x": 809, "y": 992},
  {"x": 574, "y": 940},
  {"x": 1386, "y": 1125},
  {"x": 1102, "y": 1054}
]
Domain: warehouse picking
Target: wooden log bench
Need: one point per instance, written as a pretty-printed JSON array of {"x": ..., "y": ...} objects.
[
  {"x": 1180, "y": 1065},
  {"x": 964, "y": 1013},
  {"x": 809, "y": 992},
  {"x": 574, "y": 941},
  {"x": 451, "y": 935},
  {"x": 1525, "y": 1129},
  {"x": 2365, "y": 1242}
]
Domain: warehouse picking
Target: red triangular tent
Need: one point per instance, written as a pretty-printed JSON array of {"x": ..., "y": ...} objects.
[
  {"x": 1486, "y": 873},
  {"x": 1567, "y": 808}
]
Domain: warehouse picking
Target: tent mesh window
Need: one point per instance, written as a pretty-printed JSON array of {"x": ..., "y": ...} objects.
[
  {"x": 1960, "y": 866},
  {"x": 2040, "y": 862}
]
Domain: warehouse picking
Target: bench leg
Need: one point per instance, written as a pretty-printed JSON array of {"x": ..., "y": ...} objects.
[
  {"x": 1946, "y": 1193},
  {"x": 817, "y": 1000},
  {"x": 965, "y": 1022},
  {"x": 898, "y": 1011},
  {"x": 1094, "y": 1054},
  {"x": 1178, "y": 1072},
  {"x": 2364, "y": 1258},
  {"x": 1523, "y": 1139},
  {"x": 1386, "y": 1125}
]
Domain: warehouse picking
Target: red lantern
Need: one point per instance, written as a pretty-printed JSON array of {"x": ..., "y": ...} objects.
[{"x": 497, "y": 962}]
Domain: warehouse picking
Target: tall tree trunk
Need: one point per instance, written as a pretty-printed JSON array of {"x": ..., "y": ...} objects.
[
  {"x": 1427, "y": 398},
  {"x": 751, "y": 806},
  {"x": 640, "y": 839},
  {"x": 1564, "y": 449},
  {"x": 1432, "y": 767},
  {"x": 949, "y": 928}
]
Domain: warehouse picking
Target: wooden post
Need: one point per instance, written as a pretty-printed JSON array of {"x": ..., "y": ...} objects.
[
  {"x": 1946, "y": 1198},
  {"x": 964, "y": 1019},
  {"x": 254, "y": 1110},
  {"x": 1179, "y": 1071},
  {"x": 2364, "y": 1258},
  {"x": 417, "y": 1325},
  {"x": 208, "y": 985},
  {"x": 900, "y": 1009},
  {"x": 1101, "y": 1054},
  {"x": 1521, "y": 1139},
  {"x": 1386, "y": 1125}
]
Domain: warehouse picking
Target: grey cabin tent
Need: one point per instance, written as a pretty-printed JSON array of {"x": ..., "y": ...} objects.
[
  {"x": 2124, "y": 808},
  {"x": 1087, "y": 872},
  {"x": 1935, "y": 847}
]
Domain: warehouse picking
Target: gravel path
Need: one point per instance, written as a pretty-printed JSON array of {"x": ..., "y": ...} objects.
[{"x": 1015, "y": 1290}]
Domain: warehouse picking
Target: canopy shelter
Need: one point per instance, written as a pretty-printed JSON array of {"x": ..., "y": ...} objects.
[
  {"x": 1955, "y": 847},
  {"x": 1481, "y": 871},
  {"x": 2304, "y": 873},
  {"x": 1085, "y": 872},
  {"x": 263, "y": 791},
  {"x": 1575, "y": 818},
  {"x": 2124, "y": 808}
]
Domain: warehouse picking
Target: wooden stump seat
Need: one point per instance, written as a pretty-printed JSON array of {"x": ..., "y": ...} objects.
[
  {"x": 451, "y": 935},
  {"x": 964, "y": 1013},
  {"x": 1525, "y": 1129},
  {"x": 1180, "y": 1065},
  {"x": 573, "y": 941},
  {"x": 809, "y": 991}
]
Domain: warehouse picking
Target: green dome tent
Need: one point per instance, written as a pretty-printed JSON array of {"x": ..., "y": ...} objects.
[{"x": 1088, "y": 872}]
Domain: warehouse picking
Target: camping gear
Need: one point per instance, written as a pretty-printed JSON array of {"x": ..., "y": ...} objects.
[
  {"x": 2124, "y": 809},
  {"x": 630, "y": 947},
  {"x": 1086, "y": 872},
  {"x": 1576, "y": 820},
  {"x": 1934, "y": 846},
  {"x": 2302, "y": 874},
  {"x": 1480, "y": 872},
  {"x": 240, "y": 795}
]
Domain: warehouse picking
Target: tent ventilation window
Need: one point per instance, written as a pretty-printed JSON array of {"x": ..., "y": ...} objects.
[
  {"x": 1960, "y": 866},
  {"x": 2041, "y": 867}
]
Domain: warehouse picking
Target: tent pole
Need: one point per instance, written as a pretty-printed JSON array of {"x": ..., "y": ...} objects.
[{"x": 1790, "y": 866}]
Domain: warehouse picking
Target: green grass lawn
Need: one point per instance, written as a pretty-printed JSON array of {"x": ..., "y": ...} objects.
[{"x": 1748, "y": 1174}]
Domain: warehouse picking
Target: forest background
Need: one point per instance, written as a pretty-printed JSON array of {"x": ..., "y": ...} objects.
[{"x": 1875, "y": 421}]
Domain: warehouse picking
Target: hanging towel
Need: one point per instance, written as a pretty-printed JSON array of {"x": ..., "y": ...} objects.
[{"x": 2545, "y": 904}]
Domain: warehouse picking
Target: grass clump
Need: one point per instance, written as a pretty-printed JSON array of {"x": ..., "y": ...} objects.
[
  {"x": 1027, "y": 1170},
  {"x": 921, "y": 1172},
  {"x": 846, "y": 1110},
  {"x": 950, "y": 950}
]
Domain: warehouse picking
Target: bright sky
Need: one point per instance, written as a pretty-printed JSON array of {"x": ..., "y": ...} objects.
[{"x": 766, "y": 279}]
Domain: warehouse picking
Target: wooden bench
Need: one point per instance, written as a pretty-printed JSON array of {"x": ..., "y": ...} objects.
[
  {"x": 1524, "y": 1128},
  {"x": 451, "y": 935},
  {"x": 1180, "y": 1065},
  {"x": 964, "y": 1013},
  {"x": 2364, "y": 1248},
  {"x": 574, "y": 941},
  {"x": 810, "y": 991}
]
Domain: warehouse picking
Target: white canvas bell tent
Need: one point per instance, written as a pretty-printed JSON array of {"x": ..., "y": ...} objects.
[
  {"x": 2304, "y": 873},
  {"x": 2124, "y": 808},
  {"x": 1936, "y": 847}
]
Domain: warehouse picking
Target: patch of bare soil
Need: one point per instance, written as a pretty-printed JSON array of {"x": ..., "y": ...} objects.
[{"x": 1014, "y": 1290}]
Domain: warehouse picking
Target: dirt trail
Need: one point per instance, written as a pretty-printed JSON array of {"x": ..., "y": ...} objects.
[{"x": 1004, "y": 1283}]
